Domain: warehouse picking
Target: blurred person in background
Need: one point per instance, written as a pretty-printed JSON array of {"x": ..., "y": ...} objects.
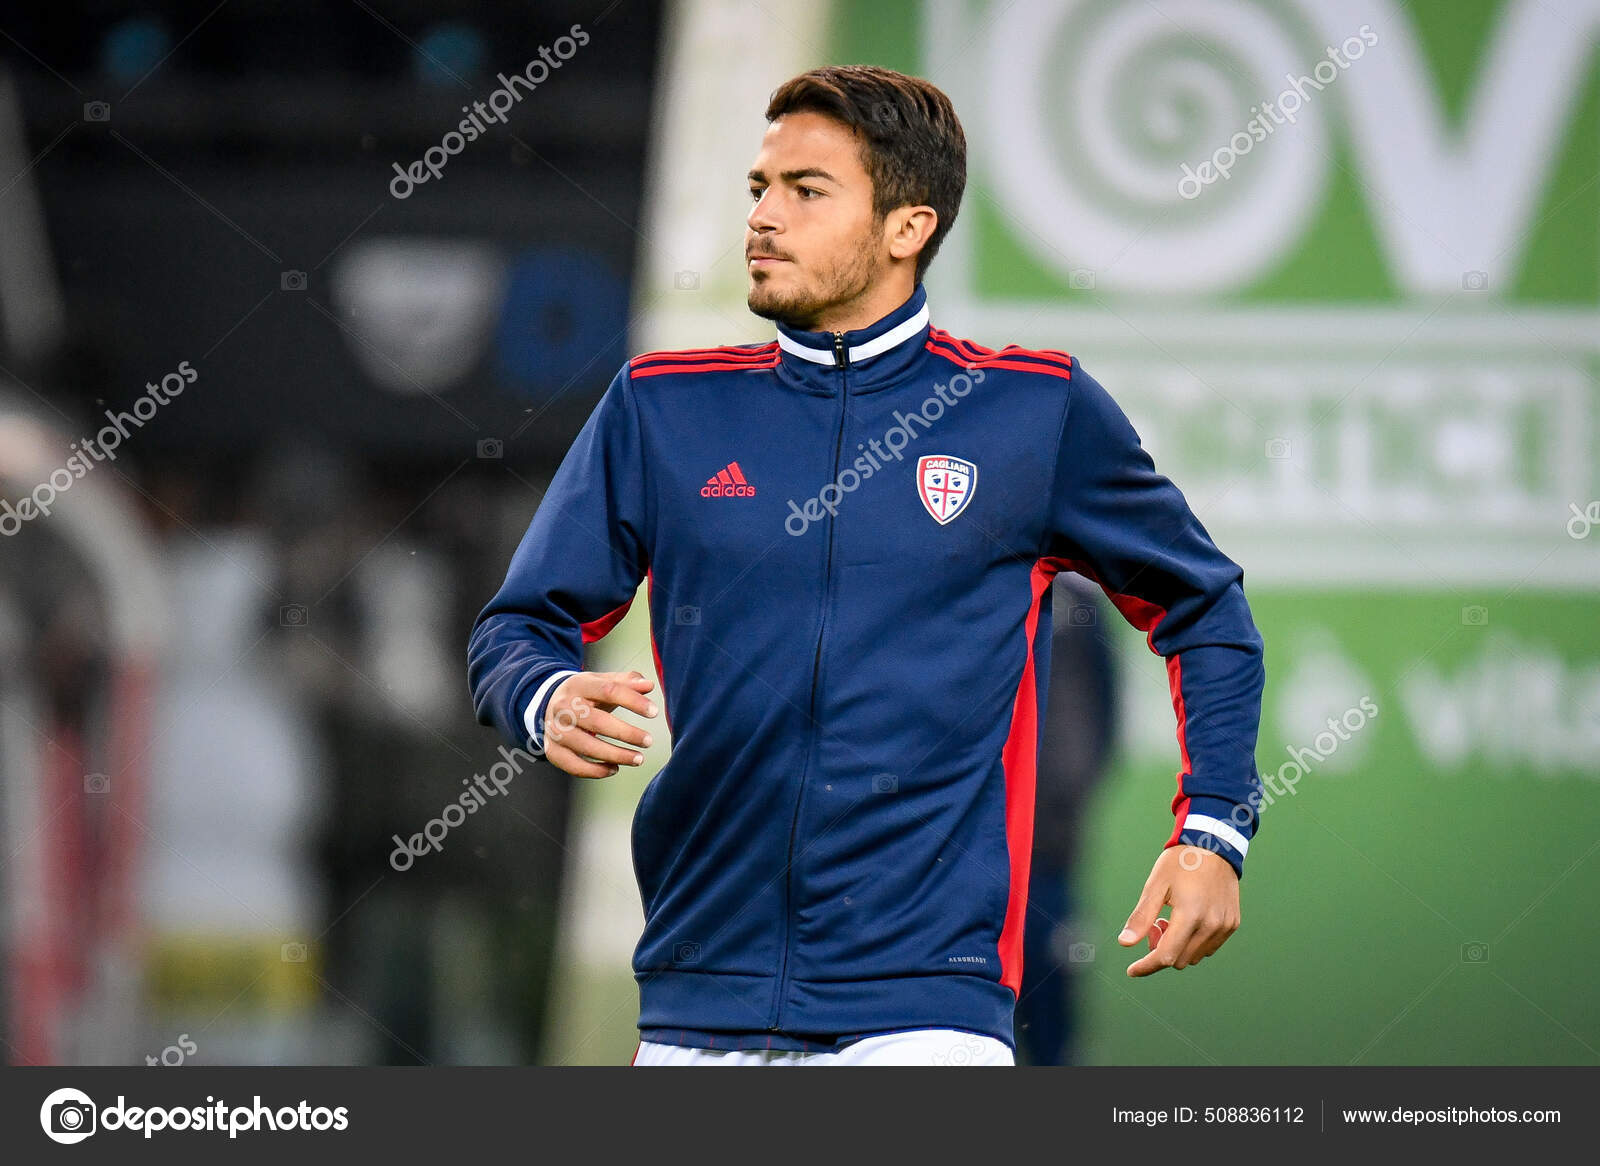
[{"x": 452, "y": 948}]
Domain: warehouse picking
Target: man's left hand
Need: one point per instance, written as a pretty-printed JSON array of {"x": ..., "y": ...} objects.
[{"x": 1204, "y": 893}]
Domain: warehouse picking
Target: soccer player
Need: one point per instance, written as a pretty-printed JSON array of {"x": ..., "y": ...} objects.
[{"x": 849, "y": 535}]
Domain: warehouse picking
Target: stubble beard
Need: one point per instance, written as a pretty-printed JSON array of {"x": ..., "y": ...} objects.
[{"x": 802, "y": 307}]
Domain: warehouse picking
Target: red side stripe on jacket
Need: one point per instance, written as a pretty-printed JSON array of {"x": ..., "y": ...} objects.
[
  {"x": 650, "y": 587},
  {"x": 1019, "y": 757}
]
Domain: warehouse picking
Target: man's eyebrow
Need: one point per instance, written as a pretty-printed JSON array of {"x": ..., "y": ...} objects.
[{"x": 793, "y": 175}]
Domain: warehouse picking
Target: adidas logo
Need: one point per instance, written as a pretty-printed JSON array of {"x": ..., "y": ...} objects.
[{"x": 728, "y": 482}]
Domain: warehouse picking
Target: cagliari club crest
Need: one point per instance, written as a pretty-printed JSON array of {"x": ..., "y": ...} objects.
[{"x": 945, "y": 485}]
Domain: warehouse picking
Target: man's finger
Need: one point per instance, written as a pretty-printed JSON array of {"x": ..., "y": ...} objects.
[
  {"x": 586, "y": 744},
  {"x": 1211, "y": 935},
  {"x": 567, "y": 761},
  {"x": 613, "y": 690},
  {"x": 605, "y": 725},
  {"x": 1157, "y": 930},
  {"x": 1144, "y": 915},
  {"x": 1179, "y": 931}
]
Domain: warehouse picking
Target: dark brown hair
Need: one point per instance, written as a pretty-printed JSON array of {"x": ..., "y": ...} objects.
[{"x": 914, "y": 149}]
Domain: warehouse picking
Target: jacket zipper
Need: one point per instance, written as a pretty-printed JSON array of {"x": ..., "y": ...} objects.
[{"x": 841, "y": 361}]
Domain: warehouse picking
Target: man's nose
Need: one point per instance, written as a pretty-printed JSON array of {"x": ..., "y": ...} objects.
[{"x": 761, "y": 218}]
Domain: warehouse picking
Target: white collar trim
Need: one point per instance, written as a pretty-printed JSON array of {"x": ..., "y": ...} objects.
[{"x": 897, "y": 335}]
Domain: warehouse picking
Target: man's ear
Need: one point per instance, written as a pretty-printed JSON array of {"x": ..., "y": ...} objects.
[{"x": 909, "y": 228}]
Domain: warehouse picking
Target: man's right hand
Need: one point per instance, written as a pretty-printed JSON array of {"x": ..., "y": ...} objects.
[{"x": 578, "y": 722}]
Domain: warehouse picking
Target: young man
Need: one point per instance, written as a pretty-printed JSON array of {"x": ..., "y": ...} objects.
[{"x": 848, "y": 533}]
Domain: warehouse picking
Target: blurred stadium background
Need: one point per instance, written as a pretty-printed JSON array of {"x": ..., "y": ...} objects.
[{"x": 232, "y": 657}]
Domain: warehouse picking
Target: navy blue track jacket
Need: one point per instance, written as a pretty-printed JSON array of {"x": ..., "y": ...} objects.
[{"x": 847, "y": 537}]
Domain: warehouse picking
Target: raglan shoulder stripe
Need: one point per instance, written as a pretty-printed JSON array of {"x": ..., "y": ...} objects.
[
  {"x": 728, "y": 358},
  {"x": 975, "y": 349},
  {"x": 968, "y": 353},
  {"x": 970, "y": 347},
  {"x": 727, "y": 351}
]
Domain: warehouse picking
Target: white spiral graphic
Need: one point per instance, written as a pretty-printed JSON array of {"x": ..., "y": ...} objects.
[{"x": 1097, "y": 179}]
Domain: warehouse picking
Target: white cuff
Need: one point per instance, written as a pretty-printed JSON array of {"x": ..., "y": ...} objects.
[
  {"x": 530, "y": 715},
  {"x": 1217, "y": 828}
]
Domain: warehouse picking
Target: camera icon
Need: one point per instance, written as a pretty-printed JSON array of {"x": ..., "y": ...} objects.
[
  {"x": 685, "y": 616},
  {"x": 293, "y": 615},
  {"x": 292, "y": 281},
  {"x": 686, "y": 281},
  {"x": 292, "y": 953},
  {"x": 1081, "y": 279},
  {"x": 1474, "y": 953},
  {"x": 96, "y": 783},
  {"x": 885, "y": 783},
  {"x": 1278, "y": 448},
  {"x": 491, "y": 449},
  {"x": 687, "y": 952},
  {"x": 96, "y": 111},
  {"x": 1475, "y": 615},
  {"x": 1081, "y": 615},
  {"x": 1474, "y": 281},
  {"x": 69, "y": 1120},
  {"x": 885, "y": 114},
  {"x": 1080, "y": 953}
]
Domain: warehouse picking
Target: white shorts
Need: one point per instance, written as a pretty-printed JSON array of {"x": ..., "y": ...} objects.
[{"x": 922, "y": 1046}]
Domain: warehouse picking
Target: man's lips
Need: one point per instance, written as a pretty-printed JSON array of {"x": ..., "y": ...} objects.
[{"x": 760, "y": 259}]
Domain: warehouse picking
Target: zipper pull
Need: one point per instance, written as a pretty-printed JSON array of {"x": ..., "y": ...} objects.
[{"x": 841, "y": 359}]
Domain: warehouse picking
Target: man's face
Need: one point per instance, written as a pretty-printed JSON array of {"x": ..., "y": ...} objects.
[{"x": 811, "y": 240}]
